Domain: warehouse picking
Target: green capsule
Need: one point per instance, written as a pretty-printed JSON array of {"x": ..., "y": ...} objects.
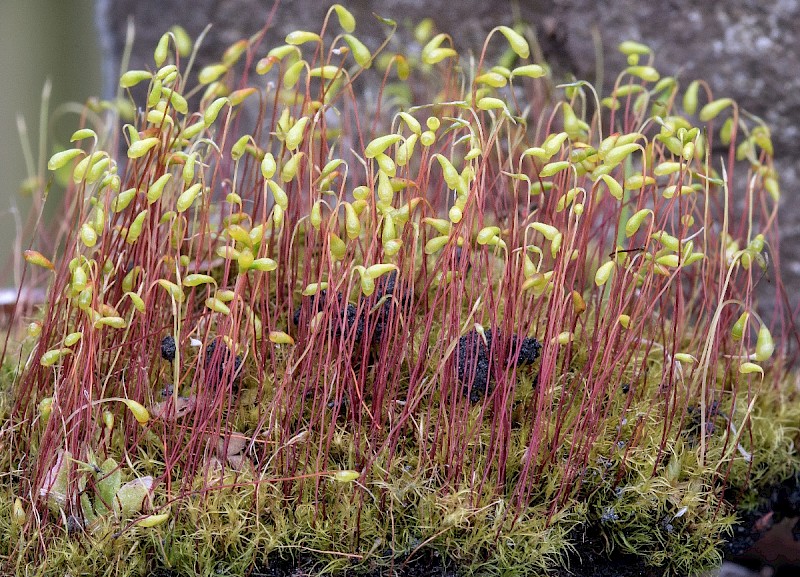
[
  {"x": 135, "y": 228},
  {"x": 289, "y": 170},
  {"x": 635, "y": 221},
  {"x": 162, "y": 50},
  {"x": 157, "y": 188},
  {"x": 133, "y": 77},
  {"x": 188, "y": 196},
  {"x": 299, "y": 37},
  {"x": 213, "y": 110},
  {"x": 713, "y": 108},
  {"x": 765, "y": 346},
  {"x": 737, "y": 331},
  {"x": 141, "y": 147},
  {"x": 604, "y": 273},
  {"x": 88, "y": 235},
  {"x": 346, "y": 19},
  {"x": 337, "y": 247},
  {"x": 518, "y": 44}
]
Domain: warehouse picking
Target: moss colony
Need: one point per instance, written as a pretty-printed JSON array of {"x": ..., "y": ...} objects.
[{"x": 457, "y": 316}]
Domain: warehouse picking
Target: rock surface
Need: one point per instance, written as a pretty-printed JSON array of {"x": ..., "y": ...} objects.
[{"x": 746, "y": 50}]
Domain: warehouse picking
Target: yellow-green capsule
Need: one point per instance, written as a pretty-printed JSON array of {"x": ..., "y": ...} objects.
[
  {"x": 604, "y": 273},
  {"x": 72, "y": 338},
  {"x": 361, "y": 53},
  {"x": 737, "y": 331},
  {"x": 79, "y": 279},
  {"x": 614, "y": 187},
  {"x": 392, "y": 247},
  {"x": 34, "y": 329},
  {"x": 36, "y": 258},
  {"x": 385, "y": 190},
  {"x": 635, "y": 221},
  {"x": 278, "y": 194},
  {"x": 637, "y": 181},
  {"x": 268, "y": 166},
  {"x": 314, "y": 288},
  {"x": 172, "y": 289},
  {"x": 389, "y": 232},
  {"x": 548, "y": 231},
  {"x": 217, "y": 306},
  {"x": 99, "y": 220},
  {"x": 352, "y": 224},
  {"x": 264, "y": 264},
  {"x": 386, "y": 164},
  {"x": 619, "y": 153},
  {"x": 157, "y": 188},
  {"x": 441, "y": 225},
  {"x": 765, "y": 346},
  {"x": 61, "y": 159},
  {"x": 188, "y": 168},
  {"x": 141, "y": 147},
  {"x": 427, "y": 138},
  {"x": 646, "y": 73},
  {"x": 162, "y": 50},
  {"x": 337, "y": 246},
  {"x": 88, "y": 235},
  {"x": 529, "y": 71},
  {"x": 133, "y": 77},
  {"x": 289, "y": 170},
  {"x": 486, "y": 234},
  {"x": 294, "y": 136},
  {"x": 211, "y": 73},
  {"x": 188, "y": 196},
  {"x": 45, "y": 407},
  {"x": 346, "y": 19},
  {"x": 114, "y": 322},
  {"x": 436, "y": 244},
  {"x": 518, "y": 44},
  {"x": 316, "y": 214},
  {"x": 213, "y": 110},
  {"x": 380, "y": 144},
  {"x": 130, "y": 278},
  {"x": 196, "y": 279},
  {"x": 292, "y": 74},
  {"x": 377, "y": 270},
  {"x": 748, "y": 368},
  {"x": 629, "y": 47},
  {"x": 552, "y": 168},
  {"x": 298, "y": 37},
  {"x": 277, "y": 216},
  {"x": 52, "y": 356},
  {"x": 280, "y": 338},
  {"x": 690, "y": 97},
  {"x": 136, "y": 227},
  {"x": 713, "y": 108},
  {"x": 137, "y": 301}
]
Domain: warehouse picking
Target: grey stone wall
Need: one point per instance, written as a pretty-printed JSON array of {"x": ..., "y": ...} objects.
[{"x": 748, "y": 50}]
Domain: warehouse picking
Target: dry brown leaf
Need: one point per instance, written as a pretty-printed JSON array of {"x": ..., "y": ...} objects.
[{"x": 169, "y": 410}]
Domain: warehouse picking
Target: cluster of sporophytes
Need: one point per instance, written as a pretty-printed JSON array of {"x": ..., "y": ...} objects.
[{"x": 287, "y": 319}]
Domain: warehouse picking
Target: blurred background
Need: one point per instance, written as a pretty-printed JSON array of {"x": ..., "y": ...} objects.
[{"x": 39, "y": 40}]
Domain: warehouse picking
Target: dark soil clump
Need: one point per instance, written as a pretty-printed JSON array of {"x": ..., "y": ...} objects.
[
  {"x": 474, "y": 354},
  {"x": 319, "y": 302},
  {"x": 168, "y": 348},
  {"x": 221, "y": 365}
]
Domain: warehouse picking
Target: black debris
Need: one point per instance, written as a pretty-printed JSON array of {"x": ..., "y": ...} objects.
[
  {"x": 168, "y": 348},
  {"x": 218, "y": 364},
  {"x": 473, "y": 359},
  {"x": 394, "y": 300},
  {"x": 317, "y": 302}
]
